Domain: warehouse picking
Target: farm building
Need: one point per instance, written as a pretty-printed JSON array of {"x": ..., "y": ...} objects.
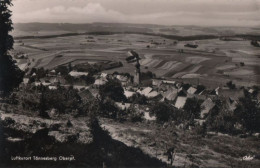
[
  {"x": 233, "y": 94},
  {"x": 78, "y": 74},
  {"x": 170, "y": 94},
  {"x": 191, "y": 90},
  {"x": 86, "y": 95},
  {"x": 52, "y": 73},
  {"x": 128, "y": 94},
  {"x": 206, "y": 106},
  {"x": 156, "y": 82},
  {"x": 180, "y": 102},
  {"x": 103, "y": 75},
  {"x": 56, "y": 80},
  {"x": 99, "y": 82},
  {"x": 52, "y": 87},
  {"x": 145, "y": 91},
  {"x": 94, "y": 92},
  {"x": 149, "y": 92},
  {"x": 123, "y": 79},
  {"x": 168, "y": 82},
  {"x": 251, "y": 91}
]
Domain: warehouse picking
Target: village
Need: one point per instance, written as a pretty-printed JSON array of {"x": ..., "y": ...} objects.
[{"x": 146, "y": 84}]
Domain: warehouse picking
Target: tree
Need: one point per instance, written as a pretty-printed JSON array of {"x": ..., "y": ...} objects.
[
  {"x": 113, "y": 90},
  {"x": 10, "y": 75},
  {"x": 221, "y": 118},
  {"x": 138, "y": 99},
  {"x": 200, "y": 88},
  {"x": 162, "y": 111},
  {"x": 248, "y": 114},
  {"x": 43, "y": 107},
  {"x": 230, "y": 85},
  {"x": 192, "y": 106}
]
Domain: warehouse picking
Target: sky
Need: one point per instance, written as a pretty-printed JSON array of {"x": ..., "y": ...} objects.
[{"x": 244, "y": 13}]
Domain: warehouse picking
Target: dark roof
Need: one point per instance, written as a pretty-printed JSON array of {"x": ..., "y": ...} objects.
[{"x": 233, "y": 94}]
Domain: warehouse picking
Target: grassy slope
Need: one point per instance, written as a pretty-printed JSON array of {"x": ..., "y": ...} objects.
[
  {"x": 211, "y": 151},
  {"x": 103, "y": 149}
]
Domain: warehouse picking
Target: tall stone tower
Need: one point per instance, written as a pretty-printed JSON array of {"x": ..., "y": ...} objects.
[
  {"x": 137, "y": 74},
  {"x": 134, "y": 57}
]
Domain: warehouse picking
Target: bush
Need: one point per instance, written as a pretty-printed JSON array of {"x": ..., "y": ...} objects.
[
  {"x": 162, "y": 111},
  {"x": 138, "y": 99},
  {"x": 113, "y": 90},
  {"x": 109, "y": 109},
  {"x": 193, "y": 107},
  {"x": 134, "y": 115},
  {"x": 230, "y": 85},
  {"x": 220, "y": 119},
  {"x": 248, "y": 114},
  {"x": 201, "y": 129}
]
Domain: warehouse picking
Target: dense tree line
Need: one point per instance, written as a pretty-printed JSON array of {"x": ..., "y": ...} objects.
[{"x": 10, "y": 75}]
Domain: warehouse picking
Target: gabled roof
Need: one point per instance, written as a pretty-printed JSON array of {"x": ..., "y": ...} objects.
[
  {"x": 53, "y": 71},
  {"x": 171, "y": 94},
  {"x": 100, "y": 82},
  {"x": 251, "y": 91},
  {"x": 180, "y": 102},
  {"x": 94, "y": 92},
  {"x": 103, "y": 75},
  {"x": 122, "y": 78},
  {"x": 128, "y": 94},
  {"x": 168, "y": 82},
  {"x": 232, "y": 104},
  {"x": 148, "y": 92},
  {"x": 145, "y": 91},
  {"x": 206, "y": 106},
  {"x": 86, "y": 95},
  {"x": 52, "y": 87},
  {"x": 156, "y": 82},
  {"x": 234, "y": 94},
  {"x": 191, "y": 90},
  {"x": 78, "y": 74},
  {"x": 153, "y": 94}
]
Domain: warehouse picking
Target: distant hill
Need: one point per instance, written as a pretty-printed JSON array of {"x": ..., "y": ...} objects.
[
  {"x": 43, "y": 29},
  {"x": 25, "y": 29}
]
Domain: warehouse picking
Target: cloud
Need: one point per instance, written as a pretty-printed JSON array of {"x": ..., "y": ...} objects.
[{"x": 167, "y": 12}]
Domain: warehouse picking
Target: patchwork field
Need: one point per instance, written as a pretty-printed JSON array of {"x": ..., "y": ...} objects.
[{"x": 213, "y": 59}]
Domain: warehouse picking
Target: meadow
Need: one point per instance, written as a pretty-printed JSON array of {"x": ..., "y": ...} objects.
[{"x": 214, "y": 59}]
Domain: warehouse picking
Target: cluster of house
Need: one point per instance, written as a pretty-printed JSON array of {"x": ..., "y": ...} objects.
[
  {"x": 159, "y": 90},
  {"x": 176, "y": 94}
]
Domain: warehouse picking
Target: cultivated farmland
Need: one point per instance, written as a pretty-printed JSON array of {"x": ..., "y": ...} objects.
[{"x": 214, "y": 60}]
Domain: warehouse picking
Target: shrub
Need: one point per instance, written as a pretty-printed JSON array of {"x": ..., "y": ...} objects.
[
  {"x": 221, "y": 119},
  {"x": 108, "y": 108},
  {"x": 113, "y": 90},
  {"x": 248, "y": 114},
  {"x": 230, "y": 85},
  {"x": 138, "y": 99},
  {"x": 193, "y": 107},
  {"x": 162, "y": 111},
  {"x": 134, "y": 115}
]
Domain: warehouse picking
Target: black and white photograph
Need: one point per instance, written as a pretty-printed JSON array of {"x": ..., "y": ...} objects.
[{"x": 129, "y": 83}]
